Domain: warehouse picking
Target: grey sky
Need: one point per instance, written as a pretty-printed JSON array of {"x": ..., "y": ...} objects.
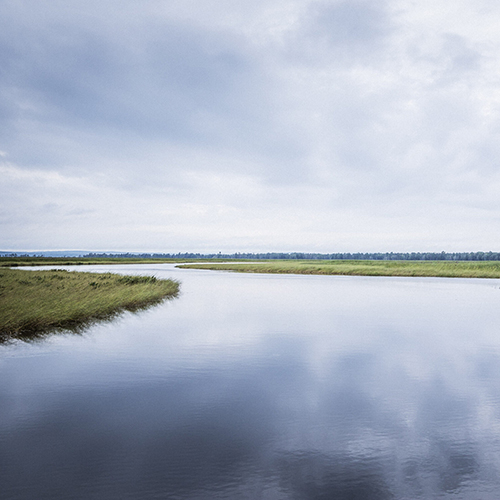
[{"x": 343, "y": 125}]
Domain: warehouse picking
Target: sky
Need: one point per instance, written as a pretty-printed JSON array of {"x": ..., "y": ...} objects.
[{"x": 238, "y": 126}]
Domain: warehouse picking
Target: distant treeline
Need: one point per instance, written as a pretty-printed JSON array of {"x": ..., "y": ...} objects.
[
  {"x": 450, "y": 256},
  {"x": 466, "y": 256}
]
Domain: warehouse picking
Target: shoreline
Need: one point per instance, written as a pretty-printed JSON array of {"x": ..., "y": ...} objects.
[
  {"x": 421, "y": 269},
  {"x": 34, "y": 303}
]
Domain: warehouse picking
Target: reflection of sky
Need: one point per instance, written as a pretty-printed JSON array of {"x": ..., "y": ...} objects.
[{"x": 264, "y": 387}]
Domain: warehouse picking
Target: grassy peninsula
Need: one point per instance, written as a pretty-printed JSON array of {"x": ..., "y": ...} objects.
[
  {"x": 34, "y": 302},
  {"x": 445, "y": 269},
  {"x": 78, "y": 261}
]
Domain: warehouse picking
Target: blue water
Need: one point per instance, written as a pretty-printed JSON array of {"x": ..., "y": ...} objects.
[{"x": 263, "y": 387}]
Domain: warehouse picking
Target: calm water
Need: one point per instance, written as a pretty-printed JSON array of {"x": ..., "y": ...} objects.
[{"x": 263, "y": 387}]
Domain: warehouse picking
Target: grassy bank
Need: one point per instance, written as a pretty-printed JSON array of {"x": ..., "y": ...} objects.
[
  {"x": 81, "y": 261},
  {"x": 444, "y": 269},
  {"x": 78, "y": 261},
  {"x": 33, "y": 302}
]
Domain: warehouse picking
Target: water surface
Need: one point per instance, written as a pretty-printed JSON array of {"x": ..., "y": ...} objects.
[{"x": 263, "y": 386}]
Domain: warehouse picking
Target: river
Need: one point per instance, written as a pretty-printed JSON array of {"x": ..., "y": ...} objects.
[{"x": 253, "y": 386}]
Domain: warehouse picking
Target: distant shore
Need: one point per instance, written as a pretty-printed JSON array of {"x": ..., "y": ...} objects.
[
  {"x": 438, "y": 269},
  {"x": 79, "y": 261},
  {"x": 364, "y": 267}
]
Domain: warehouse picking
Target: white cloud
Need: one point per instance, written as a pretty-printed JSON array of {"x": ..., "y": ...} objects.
[{"x": 309, "y": 125}]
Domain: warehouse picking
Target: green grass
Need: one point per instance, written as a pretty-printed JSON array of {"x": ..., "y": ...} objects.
[
  {"x": 78, "y": 261},
  {"x": 436, "y": 268},
  {"x": 34, "y": 302}
]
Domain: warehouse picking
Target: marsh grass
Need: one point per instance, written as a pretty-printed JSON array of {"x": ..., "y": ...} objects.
[
  {"x": 81, "y": 261},
  {"x": 78, "y": 261},
  {"x": 445, "y": 269},
  {"x": 34, "y": 302}
]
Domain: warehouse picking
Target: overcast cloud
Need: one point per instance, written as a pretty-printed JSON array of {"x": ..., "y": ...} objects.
[{"x": 277, "y": 125}]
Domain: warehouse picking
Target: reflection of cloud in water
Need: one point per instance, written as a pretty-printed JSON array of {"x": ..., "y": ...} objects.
[
  {"x": 314, "y": 476},
  {"x": 254, "y": 397},
  {"x": 184, "y": 436},
  {"x": 204, "y": 434}
]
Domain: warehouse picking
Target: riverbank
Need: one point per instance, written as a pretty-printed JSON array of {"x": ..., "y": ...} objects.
[
  {"x": 79, "y": 261},
  {"x": 441, "y": 269},
  {"x": 34, "y": 302},
  {"x": 82, "y": 261}
]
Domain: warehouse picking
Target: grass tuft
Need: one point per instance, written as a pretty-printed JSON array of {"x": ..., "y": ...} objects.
[
  {"x": 34, "y": 302},
  {"x": 134, "y": 280}
]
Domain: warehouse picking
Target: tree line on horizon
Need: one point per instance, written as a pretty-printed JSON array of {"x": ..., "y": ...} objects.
[{"x": 449, "y": 256}]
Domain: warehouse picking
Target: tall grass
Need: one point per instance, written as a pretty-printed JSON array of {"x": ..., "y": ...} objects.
[
  {"x": 363, "y": 268},
  {"x": 33, "y": 302},
  {"x": 78, "y": 261}
]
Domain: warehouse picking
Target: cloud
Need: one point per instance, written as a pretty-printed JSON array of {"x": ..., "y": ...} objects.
[
  {"x": 346, "y": 32},
  {"x": 155, "y": 81},
  {"x": 367, "y": 108}
]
